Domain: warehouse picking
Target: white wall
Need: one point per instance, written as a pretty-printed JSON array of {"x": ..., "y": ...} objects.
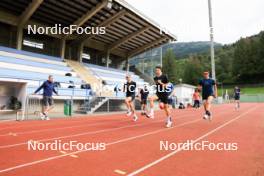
[{"x": 184, "y": 94}]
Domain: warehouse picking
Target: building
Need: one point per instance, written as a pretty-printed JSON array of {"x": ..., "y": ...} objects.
[{"x": 184, "y": 93}]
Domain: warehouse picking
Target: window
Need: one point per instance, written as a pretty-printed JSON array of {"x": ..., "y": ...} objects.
[
  {"x": 33, "y": 44},
  {"x": 86, "y": 56}
]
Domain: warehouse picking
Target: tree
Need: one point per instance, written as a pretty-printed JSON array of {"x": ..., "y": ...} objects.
[
  {"x": 193, "y": 70},
  {"x": 169, "y": 66}
]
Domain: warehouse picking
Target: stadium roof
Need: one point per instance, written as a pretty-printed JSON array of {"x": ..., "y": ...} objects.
[{"x": 128, "y": 32}]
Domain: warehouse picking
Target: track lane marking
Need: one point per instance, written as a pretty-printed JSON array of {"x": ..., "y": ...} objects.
[
  {"x": 73, "y": 126},
  {"x": 108, "y": 144},
  {"x": 194, "y": 141},
  {"x": 87, "y": 133},
  {"x": 78, "y": 119},
  {"x": 120, "y": 172}
]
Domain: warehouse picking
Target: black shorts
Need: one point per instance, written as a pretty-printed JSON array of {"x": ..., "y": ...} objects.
[
  {"x": 196, "y": 102},
  {"x": 237, "y": 97},
  {"x": 205, "y": 97},
  {"x": 47, "y": 101},
  {"x": 143, "y": 101},
  {"x": 164, "y": 98},
  {"x": 132, "y": 97}
]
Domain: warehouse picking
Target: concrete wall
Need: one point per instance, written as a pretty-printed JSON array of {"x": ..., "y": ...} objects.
[{"x": 183, "y": 94}]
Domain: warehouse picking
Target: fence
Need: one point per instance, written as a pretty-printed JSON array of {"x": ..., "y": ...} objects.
[{"x": 252, "y": 98}]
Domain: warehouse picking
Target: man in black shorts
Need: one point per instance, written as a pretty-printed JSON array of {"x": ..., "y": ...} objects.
[
  {"x": 161, "y": 95},
  {"x": 209, "y": 92},
  {"x": 130, "y": 90},
  {"x": 143, "y": 99},
  {"x": 48, "y": 89},
  {"x": 237, "y": 96}
]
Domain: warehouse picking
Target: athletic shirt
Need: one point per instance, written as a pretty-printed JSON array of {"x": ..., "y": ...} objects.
[
  {"x": 237, "y": 91},
  {"x": 144, "y": 93},
  {"x": 159, "y": 88},
  {"x": 48, "y": 88},
  {"x": 130, "y": 88},
  {"x": 207, "y": 86},
  {"x": 196, "y": 96}
]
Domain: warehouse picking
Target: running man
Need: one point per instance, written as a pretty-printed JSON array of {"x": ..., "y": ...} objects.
[
  {"x": 161, "y": 95},
  {"x": 130, "y": 89},
  {"x": 47, "y": 101},
  {"x": 196, "y": 99},
  {"x": 209, "y": 92},
  {"x": 144, "y": 92},
  {"x": 237, "y": 96}
]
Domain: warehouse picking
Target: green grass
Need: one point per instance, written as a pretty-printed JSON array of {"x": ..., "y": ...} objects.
[{"x": 244, "y": 90}]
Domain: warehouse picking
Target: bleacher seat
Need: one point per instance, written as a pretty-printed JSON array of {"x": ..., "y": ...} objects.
[
  {"x": 35, "y": 68},
  {"x": 27, "y": 53},
  {"x": 113, "y": 76}
]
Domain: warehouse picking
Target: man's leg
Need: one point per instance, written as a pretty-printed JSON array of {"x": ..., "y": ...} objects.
[
  {"x": 151, "y": 104},
  {"x": 132, "y": 107},
  {"x": 50, "y": 106},
  {"x": 143, "y": 107},
  {"x": 205, "y": 104},
  {"x": 127, "y": 102},
  {"x": 48, "y": 109},
  {"x": 44, "y": 109},
  {"x": 208, "y": 104},
  {"x": 237, "y": 103},
  {"x": 168, "y": 114}
]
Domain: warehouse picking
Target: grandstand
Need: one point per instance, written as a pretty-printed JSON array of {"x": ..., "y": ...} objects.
[{"x": 96, "y": 60}]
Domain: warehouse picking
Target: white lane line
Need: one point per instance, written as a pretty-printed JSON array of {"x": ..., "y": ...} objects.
[
  {"x": 74, "y": 156},
  {"x": 86, "y": 133},
  {"x": 79, "y": 119},
  {"x": 194, "y": 141},
  {"x": 120, "y": 172},
  {"x": 90, "y": 124},
  {"x": 54, "y": 129},
  {"x": 56, "y": 122},
  {"x": 108, "y": 144},
  {"x": 3, "y": 121},
  {"x": 70, "y": 122}
]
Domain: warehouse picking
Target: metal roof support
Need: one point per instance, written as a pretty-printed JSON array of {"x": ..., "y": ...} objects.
[
  {"x": 141, "y": 49},
  {"x": 89, "y": 14},
  {"x": 80, "y": 52},
  {"x": 62, "y": 48},
  {"x": 23, "y": 18},
  {"x": 125, "y": 39},
  {"x": 107, "y": 58},
  {"x": 105, "y": 23}
]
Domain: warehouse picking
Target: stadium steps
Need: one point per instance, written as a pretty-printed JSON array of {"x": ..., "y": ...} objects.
[
  {"x": 90, "y": 107},
  {"x": 83, "y": 73},
  {"x": 143, "y": 76},
  {"x": 87, "y": 76}
]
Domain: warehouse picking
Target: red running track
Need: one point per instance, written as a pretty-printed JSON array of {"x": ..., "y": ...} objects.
[{"x": 133, "y": 148}]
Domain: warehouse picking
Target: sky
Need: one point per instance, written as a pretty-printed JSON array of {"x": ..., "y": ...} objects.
[{"x": 188, "y": 19}]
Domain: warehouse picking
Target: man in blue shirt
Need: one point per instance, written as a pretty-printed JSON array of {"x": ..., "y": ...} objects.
[
  {"x": 237, "y": 96},
  {"x": 48, "y": 89},
  {"x": 209, "y": 92}
]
